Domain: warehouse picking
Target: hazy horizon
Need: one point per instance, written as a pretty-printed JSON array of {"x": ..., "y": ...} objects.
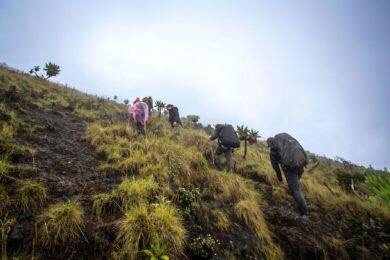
[{"x": 319, "y": 71}]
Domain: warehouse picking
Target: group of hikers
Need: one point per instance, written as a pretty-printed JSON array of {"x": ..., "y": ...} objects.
[
  {"x": 285, "y": 151},
  {"x": 140, "y": 110}
]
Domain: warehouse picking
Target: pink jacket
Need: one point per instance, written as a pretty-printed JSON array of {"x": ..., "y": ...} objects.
[{"x": 139, "y": 112}]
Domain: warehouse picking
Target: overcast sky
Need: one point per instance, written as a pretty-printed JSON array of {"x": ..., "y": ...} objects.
[{"x": 319, "y": 71}]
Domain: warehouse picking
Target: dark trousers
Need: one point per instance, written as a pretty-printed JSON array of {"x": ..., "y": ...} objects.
[
  {"x": 293, "y": 176},
  {"x": 140, "y": 128},
  {"x": 228, "y": 155}
]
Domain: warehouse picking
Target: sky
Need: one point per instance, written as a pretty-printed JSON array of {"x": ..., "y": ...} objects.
[{"x": 319, "y": 70}]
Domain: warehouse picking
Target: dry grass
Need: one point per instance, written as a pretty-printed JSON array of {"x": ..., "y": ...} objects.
[
  {"x": 158, "y": 171},
  {"x": 249, "y": 212},
  {"x": 336, "y": 246},
  {"x": 136, "y": 191},
  {"x": 228, "y": 187},
  {"x": 161, "y": 158},
  {"x": 61, "y": 224},
  {"x": 4, "y": 200},
  {"x": 153, "y": 164},
  {"x": 142, "y": 227},
  {"x": 5, "y": 166},
  {"x": 105, "y": 204},
  {"x": 130, "y": 192},
  {"x": 319, "y": 190},
  {"x": 27, "y": 91},
  {"x": 279, "y": 193},
  {"x": 31, "y": 195},
  {"x": 89, "y": 115},
  {"x": 5, "y": 227},
  {"x": 133, "y": 231},
  {"x": 222, "y": 221},
  {"x": 187, "y": 167},
  {"x": 320, "y": 187},
  {"x": 168, "y": 226},
  {"x": 199, "y": 140},
  {"x": 125, "y": 166},
  {"x": 257, "y": 165}
]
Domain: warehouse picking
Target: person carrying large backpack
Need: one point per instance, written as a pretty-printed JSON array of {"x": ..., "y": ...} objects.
[
  {"x": 139, "y": 111},
  {"x": 174, "y": 119},
  {"x": 286, "y": 151},
  {"x": 227, "y": 140}
]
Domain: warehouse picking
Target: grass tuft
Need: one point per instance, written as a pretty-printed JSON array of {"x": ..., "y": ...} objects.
[
  {"x": 168, "y": 226},
  {"x": 250, "y": 213},
  {"x": 105, "y": 204},
  {"x": 31, "y": 195},
  {"x": 61, "y": 224},
  {"x": 133, "y": 191},
  {"x": 336, "y": 246},
  {"x": 142, "y": 227},
  {"x": 4, "y": 199},
  {"x": 158, "y": 171},
  {"x": 222, "y": 221},
  {"x": 5, "y": 227},
  {"x": 5, "y": 166},
  {"x": 128, "y": 193}
]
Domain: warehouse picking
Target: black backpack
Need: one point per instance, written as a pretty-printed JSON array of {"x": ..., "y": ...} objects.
[
  {"x": 228, "y": 137},
  {"x": 292, "y": 154}
]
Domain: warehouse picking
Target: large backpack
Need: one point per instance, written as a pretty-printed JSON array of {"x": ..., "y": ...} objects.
[
  {"x": 291, "y": 152},
  {"x": 228, "y": 137}
]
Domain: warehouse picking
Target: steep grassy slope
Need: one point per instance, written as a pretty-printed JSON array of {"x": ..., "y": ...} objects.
[{"x": 77, "y": 182}]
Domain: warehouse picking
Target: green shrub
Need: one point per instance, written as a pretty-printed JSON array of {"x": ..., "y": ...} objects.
[
  {"x": 157, "y": 252},
  {"x": 203, "y": 247},
  {"x": 185, "y": 198},
  {"x": 379, "y": 185}
]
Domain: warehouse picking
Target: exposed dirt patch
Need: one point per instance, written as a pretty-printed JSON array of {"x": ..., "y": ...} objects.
[{"x": 68, "y": 167}]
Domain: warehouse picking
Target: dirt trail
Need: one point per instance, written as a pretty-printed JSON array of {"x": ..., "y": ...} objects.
[
  {"x": 63, "y": 158},
  {"x": 66, "y": 164}
]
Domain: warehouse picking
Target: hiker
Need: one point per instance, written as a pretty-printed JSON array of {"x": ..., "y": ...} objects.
[
  {"x": 286, "y": 151},
  {"x": 149, "y": 102},
  {"x": 139, "y": 112},
  {"x": 227, "y": 140},
  {"x": 174, "y": 119}
]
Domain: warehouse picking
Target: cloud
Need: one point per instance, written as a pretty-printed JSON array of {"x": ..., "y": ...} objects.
[{"x": 198, "y": 58}]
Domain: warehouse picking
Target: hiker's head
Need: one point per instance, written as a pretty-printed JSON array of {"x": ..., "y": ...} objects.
[
  {"x": 136, "y": 100},
  {"x": 270, "y": 142},
  {"x": 169, "y": 106}
]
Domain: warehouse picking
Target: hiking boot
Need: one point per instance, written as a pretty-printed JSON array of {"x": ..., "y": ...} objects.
[{"x": 308, "y": 212}]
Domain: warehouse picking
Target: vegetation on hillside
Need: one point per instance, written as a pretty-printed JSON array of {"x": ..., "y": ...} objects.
[
  {"x": 152, "y": 196},
  {"x": 50, "y": 68}
]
